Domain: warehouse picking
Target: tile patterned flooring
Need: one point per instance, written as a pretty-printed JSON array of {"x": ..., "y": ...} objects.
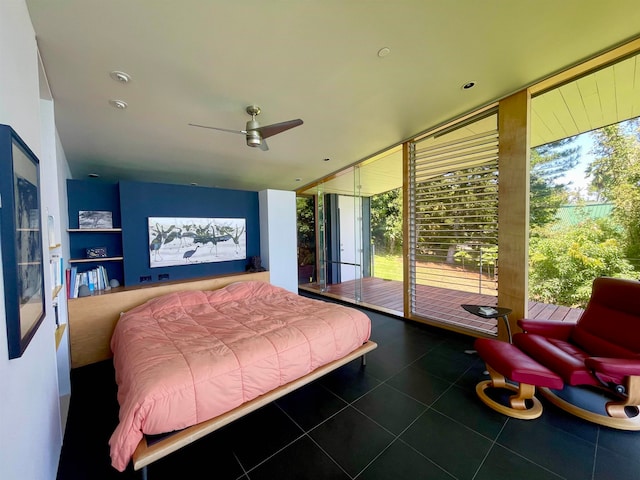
[{"x": 411, "y": 413}]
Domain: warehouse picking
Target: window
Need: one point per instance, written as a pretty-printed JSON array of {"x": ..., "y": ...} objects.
[{"x": 453, "y": 215}]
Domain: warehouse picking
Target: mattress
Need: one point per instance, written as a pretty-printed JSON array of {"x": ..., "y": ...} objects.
[{"x": 187, "y": 357}]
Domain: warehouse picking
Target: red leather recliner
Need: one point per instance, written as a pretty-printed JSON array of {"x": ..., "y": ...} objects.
[{"x": 601, "y": 349}]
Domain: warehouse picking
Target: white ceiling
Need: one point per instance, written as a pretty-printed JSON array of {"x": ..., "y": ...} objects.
[
  {"x": 205, "y": 61},
  {"x": 604, "y": 97}
]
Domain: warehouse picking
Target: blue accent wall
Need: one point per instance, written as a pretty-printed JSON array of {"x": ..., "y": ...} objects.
[{"x": 139, "y": 201}]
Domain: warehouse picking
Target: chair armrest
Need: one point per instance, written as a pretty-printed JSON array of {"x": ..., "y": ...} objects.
[
  {"x": 617, "y": 367},
  {"x": 547, "y": 328}
]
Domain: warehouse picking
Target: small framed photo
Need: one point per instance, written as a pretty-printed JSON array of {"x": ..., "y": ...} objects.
[
  {"x": 95, "y": 219},
  {"x": 96, "y": 252}
]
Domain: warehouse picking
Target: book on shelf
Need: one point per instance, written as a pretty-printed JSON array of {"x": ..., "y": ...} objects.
[
  {"x": 73, "y": 288},
  {"x": 95, "y": 279},
  {"x": 68, "y": 281},
  {"x": 56, "y": 270}
]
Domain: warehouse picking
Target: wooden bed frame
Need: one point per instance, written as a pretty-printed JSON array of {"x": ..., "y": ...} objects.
[
  {"x": 91, "y": 324},
  {"x": 146, "y": 454}
]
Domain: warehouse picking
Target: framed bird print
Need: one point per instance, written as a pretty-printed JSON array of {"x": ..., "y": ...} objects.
[{"x": 187, "y": 241}]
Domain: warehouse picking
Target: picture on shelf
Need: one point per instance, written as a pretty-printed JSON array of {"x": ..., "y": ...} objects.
[
  {"x": 187, "y": 241},
  {"x": 96, "y": 252},
  {"x": 94, "y": 219}
]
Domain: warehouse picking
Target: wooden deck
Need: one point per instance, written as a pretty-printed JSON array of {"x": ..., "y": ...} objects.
[{"x": 435, "y": 303}]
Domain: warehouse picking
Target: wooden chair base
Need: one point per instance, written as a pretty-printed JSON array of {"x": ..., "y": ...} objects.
[
  {"x": 620, "y": 422},
  {"x": 518, "y": 403}
]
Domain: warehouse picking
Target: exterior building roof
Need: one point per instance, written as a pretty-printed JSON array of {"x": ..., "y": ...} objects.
[{"x": 569, "y": 215}]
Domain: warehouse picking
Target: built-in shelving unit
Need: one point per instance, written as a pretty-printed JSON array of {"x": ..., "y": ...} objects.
[
  {"x": 85, "y": 197},
  {"x": 56, "y": 262}
]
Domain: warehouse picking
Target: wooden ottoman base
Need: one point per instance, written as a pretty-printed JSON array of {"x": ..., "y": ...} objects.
[
  {"x": 523, "y": 405},
  {"x": 504, "y": 360}
]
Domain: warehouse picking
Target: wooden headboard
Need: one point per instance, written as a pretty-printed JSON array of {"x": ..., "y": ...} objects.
[{"x": 93, "y": 319}]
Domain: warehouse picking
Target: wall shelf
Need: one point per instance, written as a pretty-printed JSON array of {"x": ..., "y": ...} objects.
[
  {"x": 59, "y": 333},
  {"x": 56, "y": 291},
  {"x": 94, "y": 230},
  {"x": 95, "y": 260}
]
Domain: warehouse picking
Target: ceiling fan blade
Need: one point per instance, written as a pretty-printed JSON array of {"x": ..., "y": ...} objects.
[
  {"x": 271, "y": 130},
  {"x": 242, "y": 132}
]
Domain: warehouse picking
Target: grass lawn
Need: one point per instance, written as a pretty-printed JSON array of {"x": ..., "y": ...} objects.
[{"x": 388, "y": 267}]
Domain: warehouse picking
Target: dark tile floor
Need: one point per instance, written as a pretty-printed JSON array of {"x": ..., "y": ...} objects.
[{"x": 411, "y": 413}]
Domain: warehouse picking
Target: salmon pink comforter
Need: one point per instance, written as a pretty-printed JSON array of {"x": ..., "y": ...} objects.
[{"x": 186, "y": 357}]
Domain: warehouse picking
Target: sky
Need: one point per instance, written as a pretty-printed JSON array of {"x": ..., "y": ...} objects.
[{"x": 577, "y": 175}]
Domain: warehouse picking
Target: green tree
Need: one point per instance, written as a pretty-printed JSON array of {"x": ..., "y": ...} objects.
[
  {"x": 305, "y": 207},
  {"x": 386, "y": 221},
  {"x": 564, "y": 262},
  {"x": 547, "y": 281},
  {"x": 615, "y": 174},
  {"x": 457, "y": 208},
  {"x": 549, "y": 163}
]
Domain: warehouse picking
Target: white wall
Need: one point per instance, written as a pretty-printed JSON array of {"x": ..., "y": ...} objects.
[
  {"x": 278, "y": 237},
  {"x": 62, "y": 223},
  {"x": 349, "y": 250},
  {"x": 30, "y": 426}
]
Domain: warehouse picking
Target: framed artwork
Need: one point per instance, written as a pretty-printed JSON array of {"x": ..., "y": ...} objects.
[
  {"x": 22, "y": 257},
  {"x": 187, "y": 241},
  {"x": 95, "y": 219}
]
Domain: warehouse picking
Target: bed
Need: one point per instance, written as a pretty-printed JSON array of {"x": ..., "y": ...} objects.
[{"x": 192, "y": 361}]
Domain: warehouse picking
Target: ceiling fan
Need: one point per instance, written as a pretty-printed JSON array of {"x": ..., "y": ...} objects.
[{"x": 255, "y": 134}]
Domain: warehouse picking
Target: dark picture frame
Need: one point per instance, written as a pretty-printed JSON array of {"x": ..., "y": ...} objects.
[{"x": 21, "y": 236}]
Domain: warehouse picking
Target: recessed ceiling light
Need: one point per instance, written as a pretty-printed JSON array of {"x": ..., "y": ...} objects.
[
  {"x": 119, "y": 104},
  {"x": 468, "y": 85},
  {"x": 120, "y": 77},
  {"x": 384, "y": 51},
  {"x": 93, "y": 175}
]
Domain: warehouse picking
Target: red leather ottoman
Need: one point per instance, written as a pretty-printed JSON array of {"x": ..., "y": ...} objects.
[{"x": 505, "y": 360}]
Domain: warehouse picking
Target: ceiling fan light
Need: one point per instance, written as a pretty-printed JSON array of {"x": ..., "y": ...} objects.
[{"x": 253, "y": 139}]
